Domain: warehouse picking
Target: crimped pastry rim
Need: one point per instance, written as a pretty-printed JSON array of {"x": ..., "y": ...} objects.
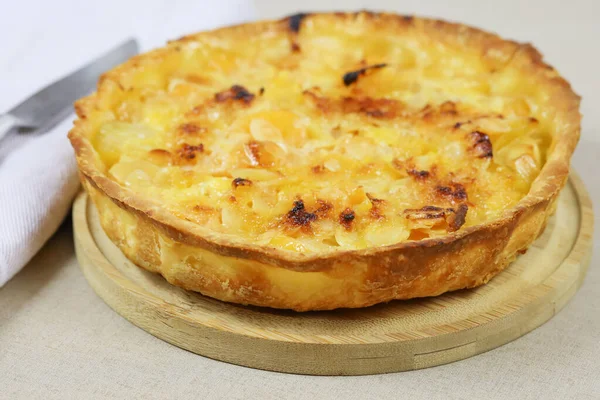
[{"x": 544, "y": 188}]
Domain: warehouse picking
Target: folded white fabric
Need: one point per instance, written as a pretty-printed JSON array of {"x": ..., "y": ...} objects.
[
  {"x": 38, "y": 175},
  {"x": 38, "y": 179}
]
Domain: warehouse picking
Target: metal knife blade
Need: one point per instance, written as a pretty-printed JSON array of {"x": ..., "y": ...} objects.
[{"x": 55, "y": 101}]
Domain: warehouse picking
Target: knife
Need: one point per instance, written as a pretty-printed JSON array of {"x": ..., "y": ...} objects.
[{"x": 54, "y": 102}]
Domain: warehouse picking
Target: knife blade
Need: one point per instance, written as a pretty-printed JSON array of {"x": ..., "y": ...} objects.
[{"x": 55, "y": 101}]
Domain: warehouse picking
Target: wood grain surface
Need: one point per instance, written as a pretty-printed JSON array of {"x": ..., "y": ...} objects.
[{"x": 398, "y": 336}]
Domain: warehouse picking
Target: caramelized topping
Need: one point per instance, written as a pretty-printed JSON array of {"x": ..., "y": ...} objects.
[
  {"x": 295, "y": 21},
  {"x": 241, "y": 182},
  {"x": 457, "y": 219},
  {"x": 188, "y": 152},
  {"x": 346, "y": 218},
  {"x": 298, "y": 216},
  {"x": 448, "y": 107},
  {"x": 317, "y": 169},
  {"x": 236, "y": 92},
  {"x": 190, "y": 129},
  {"x": 375, "y": 211},
  {"x": 482, "y": 144},
  {"x": 459, "y": 124},
  {"x": 418, "y": 174},
  {"x": 426, "y": 212},
  {"x": 376, "y": 108},
  {"x": 410, "y": 131},
  {"x": 374, "y": 200},
  {"x": 350, "y": 77},
  {"x": 324, "y": 208},
  {"x": 455, "y": 192},
  {"x": 397, "y": 164},
  {"x": 442, "y": 111},
  {"x": 452, "y": 218}
]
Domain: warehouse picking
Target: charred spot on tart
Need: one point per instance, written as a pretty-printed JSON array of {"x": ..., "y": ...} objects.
[
  {"x": 294, "y": 25},
  {"x": 261, "y": 91},
  {"x": 324, "y": 208},
  {"x": 236, "y": 92},
  {"x": 190, "y": 128},
  {"x": 408, "y": 18},
  {"x": 350, "y": 77},
  {"x": 346, "y": 218},
  {"x": 376, "y": 213},
  {"x": 381, "y": 108},
  {"x": 376, "y": 204},
  {"x": 376, "y": 108},
  {"x": 459, "y": 124},
  {"x": 431, "y": 208},
  {"x": 455, "y": 192},
  {"x": 482, "y": 144},
  {"x": 295, "y": 21},
  {"x": 433, "y": 216},
  {"x": 418, "y": 174},
  {"x": 188, "y": 152},
  {"x": 241, "y": 182},
  {"x": 374, "y": 200},
  {"x": 425, "y": 212},
  {"x": 318, "y": 169},
  {"x": 298, "y": 216},
  {"x": 457, "y": 218},
  {"x": 443, "y": 110}
]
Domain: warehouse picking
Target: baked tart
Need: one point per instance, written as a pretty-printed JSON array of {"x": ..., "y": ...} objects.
[{"x": 328, "y": 160}]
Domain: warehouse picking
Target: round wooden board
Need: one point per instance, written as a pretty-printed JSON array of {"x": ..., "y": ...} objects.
[{"x": 398, "y": 336}]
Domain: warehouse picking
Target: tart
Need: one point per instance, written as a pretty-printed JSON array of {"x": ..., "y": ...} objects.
[{"x": 328, "y": 160}]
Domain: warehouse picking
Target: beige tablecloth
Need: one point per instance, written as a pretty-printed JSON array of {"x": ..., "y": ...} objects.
[{"x": 59, "y": 340}]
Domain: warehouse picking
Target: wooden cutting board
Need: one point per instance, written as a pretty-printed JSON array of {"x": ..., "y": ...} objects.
[{"x": 398, "y": 336}]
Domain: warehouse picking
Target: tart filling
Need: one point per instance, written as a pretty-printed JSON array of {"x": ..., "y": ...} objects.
[{"x": 326, "y": 138}]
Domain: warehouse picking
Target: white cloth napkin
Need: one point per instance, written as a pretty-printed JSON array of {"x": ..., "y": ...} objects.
[
  {"x": 38, "y": 174},
  {"x": 38, "y": 179}
]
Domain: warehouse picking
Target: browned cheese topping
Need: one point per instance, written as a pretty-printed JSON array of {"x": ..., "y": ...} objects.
[{"x": 317, "y": 137}]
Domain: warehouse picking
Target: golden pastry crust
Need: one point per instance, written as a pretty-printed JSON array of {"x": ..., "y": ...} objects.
[{"x": 225, "y": 267}]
